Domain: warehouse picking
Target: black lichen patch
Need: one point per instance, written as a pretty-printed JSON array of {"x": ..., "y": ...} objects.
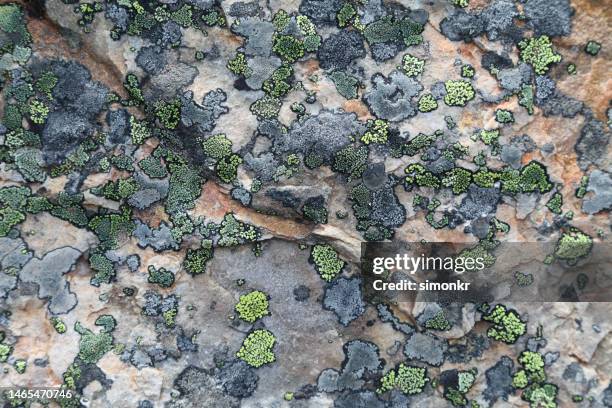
[
  {"x": 549, "y": 17},
  {"x": 338, "y": 50},
  {"x": 238, "y": 379},
  {"x": 321, "y": 11},
  {"x": 499, "y": 380},
  {"x": 479, "y": 202},
  {"x": 593, "y": 137},
  {"x": 462, "y": 26}
]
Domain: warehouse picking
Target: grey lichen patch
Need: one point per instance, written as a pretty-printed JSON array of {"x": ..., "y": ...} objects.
[
  {"x": 386, "y": 315},
  {"x": 343, "y": 297},
  {"x": 426, "y": 348},
  {"x": 462, "y": 26},
  {"x": 197, "y": 387},
  {"x": 600, "y": 185},
  {"x": 238, "y": 379},
  {"x": 14, "y": 254},
  {"x": 159, "y": 239},
  {"x": 203, "y": 116},
  {"x": 392, "y": 97},
  {"x": 324, "y": 134},
  {"x": 479, "y": 202},
  {"x": 321, "y": 11},
  {"x": 499, "y": 380},
  {"x": 359, "y": 399},
  {"x": 361, "y": 360},
  {"x": 48, "y": 273},
  {"x": 590, "y": 146}
]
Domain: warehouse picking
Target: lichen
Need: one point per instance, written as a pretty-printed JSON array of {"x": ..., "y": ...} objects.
[
  {"x": 326, "y": 261},
  {"x": 257, "y": 348}
]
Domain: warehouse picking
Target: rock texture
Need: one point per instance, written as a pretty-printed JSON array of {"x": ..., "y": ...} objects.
[{"x": 160, "y": 162}]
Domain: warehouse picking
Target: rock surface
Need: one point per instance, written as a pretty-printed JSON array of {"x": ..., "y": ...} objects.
[{"x": 216, "y": 142}]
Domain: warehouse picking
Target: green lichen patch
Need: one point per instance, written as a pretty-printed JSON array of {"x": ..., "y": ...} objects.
[
  {"x": 326, "y": 261},
  {"x": 458, "y": 179},
  {"x": 592, "y": 47},
  {"x": 346, "y": 84},
  {"x": 378, "y": 132},
  {"x": 257, "y": 348},
  {"x": 227, "y": 168},
  {"x": 504, "y": 116},
  {"x": 185, "y": 187},
  {"x": 438, "y": 322},
  {"x": 266, "y": 107},
  {"x": 460, "y": 3},
  {"x": 289, "y": 48},
  {"x": 531, "y": 378},
  {"x": 458, "y": 93},
  {"x": 534, "y": 177},
  {"x": 5, "y": 349},
  {"x": 59, "y": 325},
  {"x": 160, "y": 276},
  {"x": 196, "y": 259},
  {"x": 555, "y": 203},
  {"x": 525, "y": 98},
  {"x": 427, "y": 103},
  {"x": 489, "y": 137},
  {"x": 539, "y": 53},
  {"x": 239, "y": 66},
  {"x": 507, "y": 324},
  {"x": 345, "y": 15},
  {"x": 168, "y": 114},
  {"x": 573, "y": 245},
  {"x": 92, "y": 346},
  {"x": 351, "y": 161},
  {"x": 279, "y": 84},
  {"x": 407, "y": 379},
  {"x": 417, "y": 174},
  {"x": 13, "y": 200},
  {"x": 467, "y": 71},
  {"x": 252, "y": 306},
  {"x": 139, "y": 131},
  {"x": 217, "y": 146},
  {"x": 233, "y": 232},
  {"x": 412, "y": 66},
  {"x": 13, "y": 25}
]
